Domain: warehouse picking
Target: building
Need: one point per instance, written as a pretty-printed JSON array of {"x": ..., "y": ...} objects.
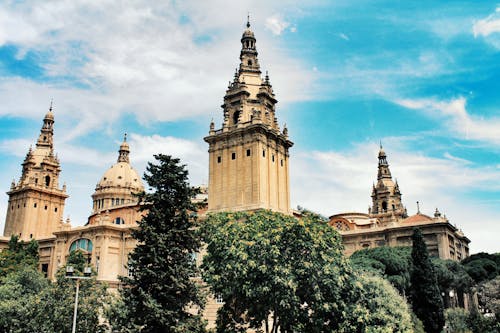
[
  {"x": 248, "y": 156},
  {"x": 388, "y": 224}
]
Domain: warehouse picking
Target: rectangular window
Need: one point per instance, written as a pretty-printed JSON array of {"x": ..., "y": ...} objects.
[
  {"x": 233, "y": 156},
  {"x": 219, "y": 299},
  {"x": 273, "y": 158},
  {"x": 45, "y": 269},
  {"x": 55, "y": 210},
  {"x": 263, "y": 153},
  {"x": 34, "y": 205},
  {"x": 219, "y": 159},
  {"x": 248, "y": 152},
  {"x": 46, "y": 207},
  {"x": 281, "y": 162}
]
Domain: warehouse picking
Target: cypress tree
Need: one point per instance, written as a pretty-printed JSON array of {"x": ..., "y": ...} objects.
[
  {"x": 426, "y": 299},
  {"x": 160, "y": 294}
]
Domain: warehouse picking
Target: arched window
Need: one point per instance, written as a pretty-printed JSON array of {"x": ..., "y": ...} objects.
[
  {"x": 236, "y": 115},
  {"x": 249, "y": 62},
  {"x": 47, "y": 181},
  {"x": 82, "y": 244},
  {"x": 119, "y": 220},
  {"x": 384, "y": 206}
]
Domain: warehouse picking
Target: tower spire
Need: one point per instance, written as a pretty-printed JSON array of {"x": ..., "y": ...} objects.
[{"x": 248, "y": 20}]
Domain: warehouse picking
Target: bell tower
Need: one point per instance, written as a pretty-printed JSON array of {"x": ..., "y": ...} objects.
[
  {"x": 248, "y": 156},
  {"x": 386, "y": 196},
  {"x": 36, "y": 203}
]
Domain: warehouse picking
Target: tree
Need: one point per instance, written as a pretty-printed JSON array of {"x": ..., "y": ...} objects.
[
  {"x": 276, "y": 273},
  {"x": 425, "y": 296},
  {"x": 18, "y": 254},
  {"x": 160, "y": 294},
  {"x": 31, "y": 303},
  {"x": 393, "y": 263},
  {"x": 456, "y": 320},
  {"x": 482, "y": 266},
  {"x": 379, "y": 308}
]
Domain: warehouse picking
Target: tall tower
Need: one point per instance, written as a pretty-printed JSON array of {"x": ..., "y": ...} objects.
[
  {"x": 36, "y": 203},
  {"x": 386, "y": 197},
  {"x": 248, "y": 156}
]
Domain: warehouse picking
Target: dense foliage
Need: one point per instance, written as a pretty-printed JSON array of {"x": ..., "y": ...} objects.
[
  {"x": 379, "y": 308},
  {"x": 425, "y": 295},
  {"x": 31, "y": 303},
  {"x": 393, "y": 263},
  {"x": 276, "y": 272},
  {"x": 482, "y": 266},
  {"x": 161, "y": 295}
]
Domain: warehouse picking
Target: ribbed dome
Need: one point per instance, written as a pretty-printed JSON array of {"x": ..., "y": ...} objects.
[{"x": 121, "y": 175}]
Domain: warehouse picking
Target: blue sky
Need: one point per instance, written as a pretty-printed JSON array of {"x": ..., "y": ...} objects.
[{"x": 422, "y": 77}]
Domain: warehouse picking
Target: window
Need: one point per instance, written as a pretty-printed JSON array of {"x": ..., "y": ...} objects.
[
  {"x": 45, "y": 269},
  {"x": 55, "y": 210},
  {"x": 119, "y": 220},
  {"x": 45, "y": 207},
  {"x": 249, "y": 62},
  {"x": 83, "y": 244},
  {"x": 36, "y": 180},
  {"x": 31, "y": 236},
  {"x": 47, "y": 181},
  {"x": 219, "y": 159},
  {"x": 281, "y": 162},
  {"x": 233, "y": 156},
  {"x": 263, "y": 153},
  {"x": 236, "y": 116},
  {"x": 384, "y": 206},
  {"x": 273, "y": 158},
  {"x": 248, "y": 152},
  {"x": 219, "y": 299},
  {"x": 34, "y": 205}
]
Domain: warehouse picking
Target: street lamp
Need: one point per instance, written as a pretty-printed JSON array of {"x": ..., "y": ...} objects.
[{"x": 87, "y": 271}]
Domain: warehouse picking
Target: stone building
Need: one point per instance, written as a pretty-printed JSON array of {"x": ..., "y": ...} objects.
[
  {"x": 248, "y": 156},
  {"x": 388, "y": 224}
]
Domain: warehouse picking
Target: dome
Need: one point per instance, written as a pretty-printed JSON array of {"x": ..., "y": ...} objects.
[
  {"x": 417, "y": 218},
  {"x": 49, "y": 115},
  {"x": 122, "y": 175},
  {"x": 248, "y": 34}
]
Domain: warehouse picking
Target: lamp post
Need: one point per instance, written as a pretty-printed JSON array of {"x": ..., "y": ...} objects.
[{"x": 87, "y": 271}]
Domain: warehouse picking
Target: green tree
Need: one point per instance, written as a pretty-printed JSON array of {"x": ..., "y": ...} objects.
[
  {"x": 393, "y": 263},
  {"x": 31, "y": 303},
  {"x": 456, "y": 320},
  {"x": 18, "y": 254},
  {"x": 482, "y": 266},
  {"x": 379, "y": 309},
  {"x": 276, "y": 272},
  {"x": 425, "y": 296},
  {"x": 161, "y": 295}
]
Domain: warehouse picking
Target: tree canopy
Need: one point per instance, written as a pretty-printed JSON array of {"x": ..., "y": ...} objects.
[
  {"x": 161, "y": 295},
  {"x": 276, "y": 272}
]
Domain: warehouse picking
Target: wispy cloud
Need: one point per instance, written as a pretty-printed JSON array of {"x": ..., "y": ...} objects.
[
  {"x": 457, "y": 118},
  {"x": 343, "y": 36},
  {"x": 488, "y": 25},
  {"x": 276, "y": 24}
]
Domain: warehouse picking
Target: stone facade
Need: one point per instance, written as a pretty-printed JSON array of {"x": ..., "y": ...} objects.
[{"x": 387, "y": 223}]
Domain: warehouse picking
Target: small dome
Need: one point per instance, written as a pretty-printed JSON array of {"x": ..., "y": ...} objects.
[
  {"x": 122, "y": 175},
  {"x": 248, "y": 34},
  {"x": 49, "y": 115},
  {"x": 417, "y": 218}
]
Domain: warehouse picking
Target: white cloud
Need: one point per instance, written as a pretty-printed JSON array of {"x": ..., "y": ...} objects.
[
  {"x": 457, "y": 118},
  {"x": 488, "y": 25},
  {"x": 276, "y": 24},
  {"x": 343, "y": 36}
]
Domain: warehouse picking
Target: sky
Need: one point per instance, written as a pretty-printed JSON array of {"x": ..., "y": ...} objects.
[{"x": 421, "y": 77}]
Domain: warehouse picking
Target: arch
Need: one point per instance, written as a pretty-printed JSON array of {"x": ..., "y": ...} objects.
[
  {"x": 47, "y": 181},
  {"x": 82, "y": 244},
  {"x": 236, "y": 116},
  {"x": 384, "y": 206},
  {"x": 249, "y": 62}
]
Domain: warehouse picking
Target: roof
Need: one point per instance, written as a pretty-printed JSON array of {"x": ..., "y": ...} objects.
[{"x": 417, "y": 218}]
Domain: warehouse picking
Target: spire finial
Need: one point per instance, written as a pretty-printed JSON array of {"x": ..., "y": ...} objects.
[
  {"x": 51, "y": 102},
  {"x": 381, "y": 144},
  {"x": 418, "y": 207},
  {"x": 125, "y": 137},
  {"x": 248, "y": 20}
]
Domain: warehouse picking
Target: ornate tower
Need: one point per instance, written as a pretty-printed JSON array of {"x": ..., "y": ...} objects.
[
  {"x": 248, "y": 156},
  {"x": 36, "y": 203},
  {"x": 386, "y": 196}
]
